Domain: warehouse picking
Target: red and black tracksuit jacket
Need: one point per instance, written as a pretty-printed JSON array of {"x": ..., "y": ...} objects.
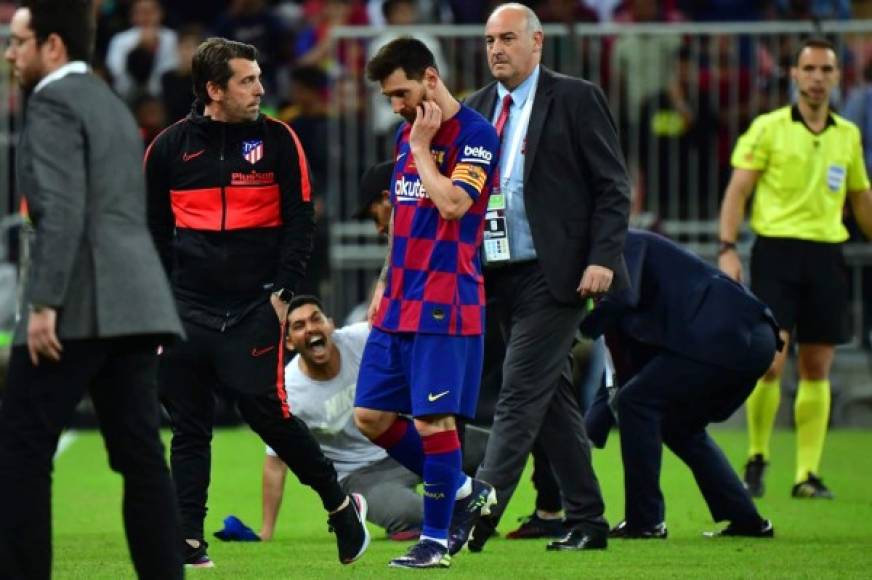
[{"x": 229, "y": 207}]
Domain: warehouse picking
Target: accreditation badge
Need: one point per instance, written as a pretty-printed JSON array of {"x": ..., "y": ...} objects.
[
  {"x": 836, "y": 177},
  {"x": 496, "y": 233}
]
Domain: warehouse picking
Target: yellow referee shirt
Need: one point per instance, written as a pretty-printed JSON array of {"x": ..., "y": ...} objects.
[{"x": 805, "y": 176}]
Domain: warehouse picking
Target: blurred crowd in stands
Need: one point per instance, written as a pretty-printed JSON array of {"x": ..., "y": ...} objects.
[
  {"x": 144, "y": 49},
  {"x": 675, "y": 97}
]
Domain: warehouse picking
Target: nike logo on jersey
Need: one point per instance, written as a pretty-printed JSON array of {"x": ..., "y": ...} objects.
[
  {"x": 401, "y": 155},
  {"x": 432, "y": 398},
  {"x": 261, "y": 351},
  {"x": 188, "y": 156}
]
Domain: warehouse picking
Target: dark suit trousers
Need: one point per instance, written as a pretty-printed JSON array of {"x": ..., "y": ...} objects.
[
  {"x": 39, "y": 401},
  {"x": 670, "y": 401},
  {"x": 537, "y": 398}
]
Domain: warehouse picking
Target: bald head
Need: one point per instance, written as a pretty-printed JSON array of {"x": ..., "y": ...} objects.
[
  {"x": 532, "y": 23},
  {"x": 513, "y": 35}
]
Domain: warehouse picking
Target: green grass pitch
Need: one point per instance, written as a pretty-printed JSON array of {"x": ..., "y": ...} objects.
[{"x": 814, "y": 539}]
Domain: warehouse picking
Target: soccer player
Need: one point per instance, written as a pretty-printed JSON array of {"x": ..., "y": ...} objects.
[
  {"x": 565, "y": 201},
  {"x": 424, "y": 354},
  {"x": 801, "y": 161}
]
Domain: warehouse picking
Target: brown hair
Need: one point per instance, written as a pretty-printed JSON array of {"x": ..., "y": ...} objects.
[{"x": 211, "y": 63}]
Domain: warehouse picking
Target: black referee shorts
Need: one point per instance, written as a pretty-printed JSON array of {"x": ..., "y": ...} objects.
[{"x": 805, "y": 284}]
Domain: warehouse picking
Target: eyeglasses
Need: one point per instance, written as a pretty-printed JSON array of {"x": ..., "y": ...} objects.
[{"x": 17, "y": 42}]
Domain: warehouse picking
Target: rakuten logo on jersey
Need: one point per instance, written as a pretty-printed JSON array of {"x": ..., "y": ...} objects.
[
  {"x": 409, "y": 190},
  {"x": 477, "y": 154}
]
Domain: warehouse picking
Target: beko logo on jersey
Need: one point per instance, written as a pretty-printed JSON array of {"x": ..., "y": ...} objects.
[
  {"x": 479, "y": 152},
  {"x": 408, "y": 190}
]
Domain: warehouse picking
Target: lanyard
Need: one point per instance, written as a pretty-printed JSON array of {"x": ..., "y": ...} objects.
[{"x": 520, "y": 128}]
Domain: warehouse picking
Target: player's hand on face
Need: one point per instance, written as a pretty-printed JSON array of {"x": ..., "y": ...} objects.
[{"x": 427, "y": 123}]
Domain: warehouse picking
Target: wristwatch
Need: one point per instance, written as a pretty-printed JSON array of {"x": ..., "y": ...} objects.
[
  {"x": 284, "y": 294},
  {"x": 725, "y": 247}
]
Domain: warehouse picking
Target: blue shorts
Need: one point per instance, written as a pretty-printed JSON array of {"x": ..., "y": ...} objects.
[{"x": 420, "y": 374}]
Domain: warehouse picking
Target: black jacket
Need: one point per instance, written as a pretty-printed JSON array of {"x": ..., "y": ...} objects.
[
  {"x": 576, "y": 185},
  {"x": 229, "y": 207},
  {"x": 678, "y": 302}
]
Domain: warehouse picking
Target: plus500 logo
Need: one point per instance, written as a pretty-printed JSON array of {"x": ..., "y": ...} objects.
[
  {"x": 479, "y": 152},
  {"x": 405, "y": 190}
]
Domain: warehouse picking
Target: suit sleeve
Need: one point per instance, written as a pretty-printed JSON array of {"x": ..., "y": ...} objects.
[
  {"x": 610, "y": 182},
  {"x": 58, "y": 160},
  {"x": 298, "y": 215},
  {"x": 159, "y": 212},
  {"x": 605, "y": 316}
]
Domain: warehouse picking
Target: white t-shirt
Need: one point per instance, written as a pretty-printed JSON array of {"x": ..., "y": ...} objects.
[{"x": 327, "y": 407}]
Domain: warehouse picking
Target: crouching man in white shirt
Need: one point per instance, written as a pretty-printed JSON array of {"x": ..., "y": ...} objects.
[{"x": 320, "y": 384}]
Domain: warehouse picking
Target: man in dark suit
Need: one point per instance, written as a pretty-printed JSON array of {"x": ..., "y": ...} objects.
[
  {"x": 689, "y": 344},
  {"x": 95, "y": 304},
  {"x": 564, "y": 200}
]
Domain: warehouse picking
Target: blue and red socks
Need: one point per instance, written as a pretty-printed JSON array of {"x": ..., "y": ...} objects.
[
  {"x": 402, "y": 442},
  {"x": 438, "y": 460},
  {"x": 442, "y": 478}
]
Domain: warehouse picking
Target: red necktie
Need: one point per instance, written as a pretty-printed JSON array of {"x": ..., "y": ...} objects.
[{"x": 504, "y": 115}]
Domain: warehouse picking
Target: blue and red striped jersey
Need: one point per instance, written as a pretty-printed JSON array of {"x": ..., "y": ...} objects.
[{"x": 434, "y": 281}]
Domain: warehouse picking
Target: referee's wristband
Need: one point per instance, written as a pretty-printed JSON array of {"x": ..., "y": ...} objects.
[{"x": 726, "y": 247}]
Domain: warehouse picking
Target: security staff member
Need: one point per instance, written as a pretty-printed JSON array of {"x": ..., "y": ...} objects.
[
  {"x": 691, "y": 343},
  {"x": 554, "y": 236},
  {"x": 804, "y": 160}
]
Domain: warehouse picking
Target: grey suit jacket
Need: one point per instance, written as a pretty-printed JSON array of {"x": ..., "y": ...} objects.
[
  {"x": 576, "y": 185},
  {"x": 79, "y": 166}
]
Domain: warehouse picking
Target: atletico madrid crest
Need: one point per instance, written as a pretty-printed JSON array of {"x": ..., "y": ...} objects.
[{"x": 252, "y": 151}]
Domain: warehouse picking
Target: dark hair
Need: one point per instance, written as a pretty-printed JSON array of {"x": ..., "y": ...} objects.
[
  {"x": 302, "y": 300},
  {"x": 814, "y": 42},
  {"x": 72, "y": 20},
  {"x": 407, "y": 53},
  {"x": 211, "y": 63},
  {"x": 375, "y": 180},
  {"x": 389, "y": 5}
]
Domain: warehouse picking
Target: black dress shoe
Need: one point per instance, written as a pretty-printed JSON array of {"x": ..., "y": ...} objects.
[
  {"x": 762, "y": 529},
  {"x": 580, "y": 540},
  {"x": 625, "y": 532}
]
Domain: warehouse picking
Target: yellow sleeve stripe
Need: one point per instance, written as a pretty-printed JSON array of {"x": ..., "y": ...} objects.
[{"x": 470, "y": 174}]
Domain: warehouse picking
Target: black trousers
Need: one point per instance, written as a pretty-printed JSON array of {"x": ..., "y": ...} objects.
[
  {"x": 210, "y": 361},
  {"x": 588, "y": 379},
  {"x": 670, "y": 401},
  {"x": 548, "y": 496},
  {"x": 39, "y": 401},
  {"x": 537, "y": 398}
]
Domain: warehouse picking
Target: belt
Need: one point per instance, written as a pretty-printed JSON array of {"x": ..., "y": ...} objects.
[{"x": 508, "y": 265}]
